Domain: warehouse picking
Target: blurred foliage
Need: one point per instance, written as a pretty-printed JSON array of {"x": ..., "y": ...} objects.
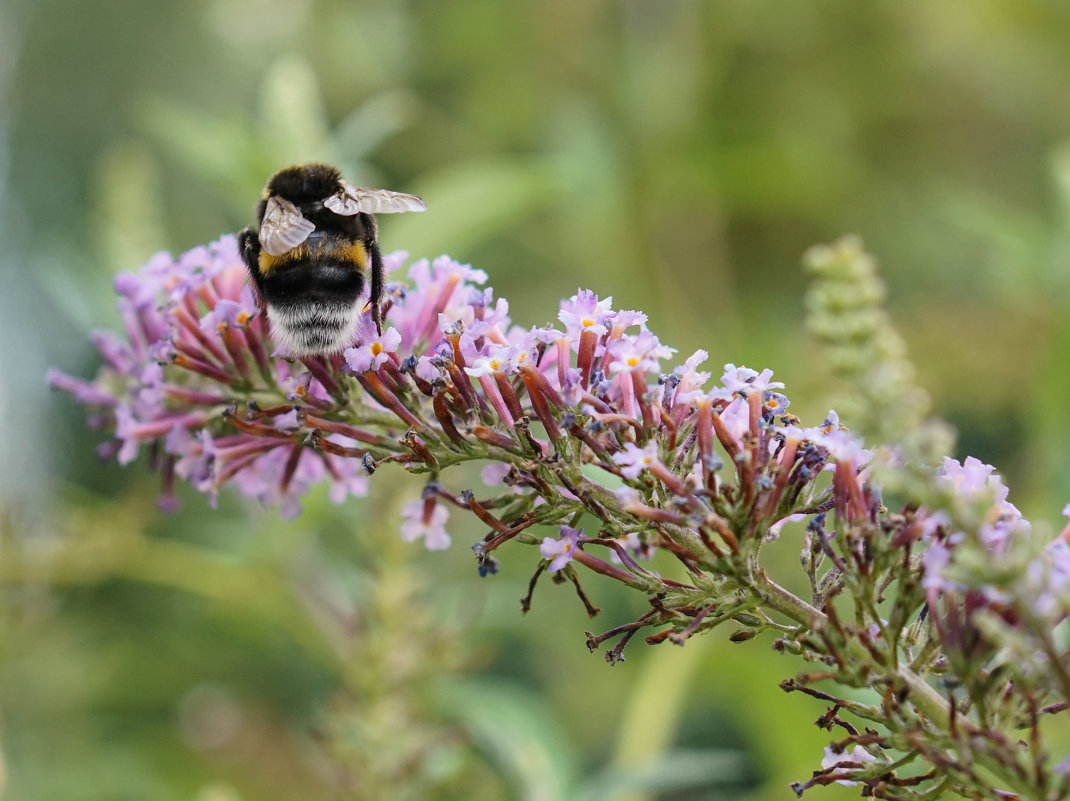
[{"x": 675, "y": 154}]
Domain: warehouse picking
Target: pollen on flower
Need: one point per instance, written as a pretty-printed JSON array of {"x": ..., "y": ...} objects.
[
  {"x": 775, "y": 404},
  {"x": 375, "y": 350},
  {"x": 584, "y": 312}
]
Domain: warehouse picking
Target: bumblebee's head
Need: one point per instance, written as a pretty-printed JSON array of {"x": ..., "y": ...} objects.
[{"x": 305, "y": 183}]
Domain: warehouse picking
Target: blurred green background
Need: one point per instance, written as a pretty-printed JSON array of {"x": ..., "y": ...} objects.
[{"x": 675, "y": 154}]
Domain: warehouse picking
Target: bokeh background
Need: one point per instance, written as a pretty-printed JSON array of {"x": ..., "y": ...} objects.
[{"x": 678, "y": 155}]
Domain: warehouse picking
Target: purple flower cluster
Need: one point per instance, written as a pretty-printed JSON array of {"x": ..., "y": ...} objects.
[
  {"x": 195, "y": 347},
  {"x": 578, "y": 421},
  {"x": 973, "y": 483},
  {"x": 980, "y": 558},
  {"x": 197, "y": 380}
]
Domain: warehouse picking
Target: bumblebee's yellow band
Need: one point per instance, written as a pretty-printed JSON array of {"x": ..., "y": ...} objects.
[{"x": 354, "y": 254}]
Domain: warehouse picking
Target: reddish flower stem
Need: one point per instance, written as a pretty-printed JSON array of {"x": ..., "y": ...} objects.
[
  {"x": 585, "y": 359},
  {"x": 189, "y": 323},
  {"x": 640, "y": 388},
  {"x": 191, "y": 362},
  {"x": 492, "y": 437},
  {"x": 538, "y": 403},
  {"x": 445, "y": 419},
  {"x": 512, "y": 400},
  {"x": 374, "y": 386}
]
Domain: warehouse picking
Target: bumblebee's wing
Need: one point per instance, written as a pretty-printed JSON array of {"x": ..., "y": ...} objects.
[
  {"x": 353, "y": 199},
  {"x": 283, "y": 228},
  {"x": 345, "y": 202}
]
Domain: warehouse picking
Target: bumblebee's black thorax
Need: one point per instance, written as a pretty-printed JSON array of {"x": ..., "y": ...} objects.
[
  {"x": 307, "y": 186},
  {"x": 359, "y": 227},
  {"x": 304, "y": 182}
]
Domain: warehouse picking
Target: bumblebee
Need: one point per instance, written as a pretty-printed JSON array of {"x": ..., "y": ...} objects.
[{"x": 313, "y": 251}]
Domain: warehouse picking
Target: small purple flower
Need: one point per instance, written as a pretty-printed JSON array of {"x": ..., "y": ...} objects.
[
  {"x": 691, "y": 378},
  {"x": 843, "y": 446},
  {"x": 696, "y": 395},
  {"x": 347, "y": 477},
  {"x": 115, "y": 353},
  {"x": 585, "y": 312},
  {"x": 739, "y": 379},
  {"x": 572, "y": 391},
  {"x": 193, "y": 454},
  {"x": 425, "y": 519},
  {"x": 736, "y": 418},
  {"x": 625, "y": 319},
  {"x": 559, "y": 551},
  {"x": 81, "y": 390},
  {"x": 502, "y": 359},
  {"x": 298, "y": 386},
  {"x": 969, "y": 477},
  {"x": 774, "y": 530},
  {"x": 232, "y": 313},
  {"x": 426, "y": 370},
  {"x": 486, "y": 365},
  {"x": 641, "y": 353},
  {"x": 548, "y": 335},
  {"x": 488, "y": 318},
  {"x": 973, "y": 479},
  {"x": 935, "y": 560},
  {"x": 774, "y": 404},
  {"x": 494, "y": 473},
  {"x": 289, "y": 421},
  {"x": 142, "y": 289},
  {"x": 446, "y": 268},
  {"x": 635, "y": 460},
  {"x": 124, "y": 432},
  {"x": 853, "y": 759},
  {"x": 1046, "y": 581},
  {"x": 374, "y": 351}
]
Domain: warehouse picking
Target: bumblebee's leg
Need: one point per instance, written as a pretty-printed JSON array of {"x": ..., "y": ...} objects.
[
  {"x": 376, "y": 284},
  {"x": 249, "y": 247}
]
